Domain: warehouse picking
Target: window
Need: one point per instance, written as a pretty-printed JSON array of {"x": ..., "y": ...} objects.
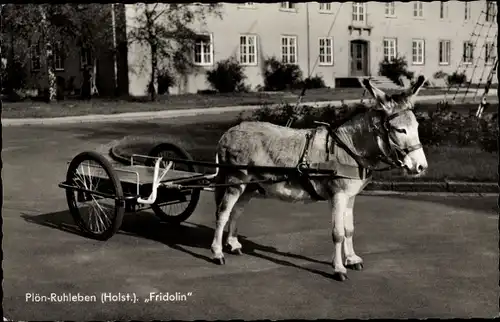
[
  {"x": 247, "y": 5},
  {"x": 35, "y": 57},
  {"x": 288, "y": 6},
  {"x": 326, "y": 51},
  {"x": 325, "y": 7},
  {"x": 417, "y": 51},
  {"x": 358, "y": 11},
  {"x": 390, "y": 49},
  {"x": 58, "y": 58},
  {"x": 468, "y": 52},
  {"x": 491, "y": 11},
  {"x": 203, "y": 50},
  {"x": 248, "y": 50},
  {"x": 289, "y": 49},
  {"x": 418, "y": 9},
  {"x": 489, "y": 53},
  {"x": 467, "y": 10},
  {"x": 85, "y": 57},
  {"x": 443, "y": 10},
  {"x": 444, "y": 52},
  {"x": 390, "y": 9}
]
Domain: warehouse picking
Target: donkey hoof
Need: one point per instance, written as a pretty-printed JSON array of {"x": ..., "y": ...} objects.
[
  {"x": 355, "y": 267},
  {"x": 219, "y": 261},
  {"x": 236, "y": 251},
  {"x": 338, "y": 276}
]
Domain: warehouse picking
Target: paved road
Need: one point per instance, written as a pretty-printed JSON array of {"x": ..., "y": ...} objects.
[{"x": 424, "y": 256}]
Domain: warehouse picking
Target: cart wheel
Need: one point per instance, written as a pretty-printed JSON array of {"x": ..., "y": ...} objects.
[
  {"x": 99, "y": 217},
  {"x": 177, "y": 212}
]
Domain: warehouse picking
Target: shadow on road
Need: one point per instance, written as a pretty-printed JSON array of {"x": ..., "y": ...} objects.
[{"x": 178, "y": 237}]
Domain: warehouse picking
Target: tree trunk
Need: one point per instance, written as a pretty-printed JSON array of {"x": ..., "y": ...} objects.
[
  {"x": 10, "y": 67},
  {"x": 93, "y": 84},
  {"x": 154, "y": 67},
  {"x": 49, "y": 58},
  {"x": 51, "y": 75}
]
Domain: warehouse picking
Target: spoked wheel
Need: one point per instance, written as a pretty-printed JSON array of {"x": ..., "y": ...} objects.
[
  {"x": 98, "y": 214},
  {"x": 175, "y": 212}
]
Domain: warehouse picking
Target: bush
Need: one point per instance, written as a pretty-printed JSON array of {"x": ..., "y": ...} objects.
[
  {"x": 440, "y": 127},
  {"x": 165, "y": 81},
  {"x": 457, "y": 78},
  {"x": 227, "y": 76},
  {"x": 395, "y": 69},
  {"x": 440, "y": 74},
  {"x": 314, "y": 82},
  {"x": 488, "y": 140},
  {"x": 279, "y": 76}
]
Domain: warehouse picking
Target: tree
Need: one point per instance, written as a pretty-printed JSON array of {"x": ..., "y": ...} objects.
[
  {"x": 166, "y": 30},
  {"x": 52, "y": 27}
]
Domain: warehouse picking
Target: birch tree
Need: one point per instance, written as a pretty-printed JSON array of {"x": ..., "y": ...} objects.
[{"x": 167, "y": 30}]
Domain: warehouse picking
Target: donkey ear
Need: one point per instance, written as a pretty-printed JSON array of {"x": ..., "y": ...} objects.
[
  {"x": 379, "y": 95},
  {"x": 413, "y": 91}
]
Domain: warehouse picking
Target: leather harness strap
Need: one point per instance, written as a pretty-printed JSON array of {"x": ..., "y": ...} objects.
[{"x": 303, "y": 177}]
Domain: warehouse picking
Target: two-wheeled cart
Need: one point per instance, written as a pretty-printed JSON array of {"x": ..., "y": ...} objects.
[{"x": 99, "y": 194}]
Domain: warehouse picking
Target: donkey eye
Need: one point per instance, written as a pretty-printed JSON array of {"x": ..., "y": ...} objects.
[{"x": 400, "y": 130}]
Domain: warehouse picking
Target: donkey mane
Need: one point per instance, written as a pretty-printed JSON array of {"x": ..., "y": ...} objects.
[{"x": 348, "y": 112}]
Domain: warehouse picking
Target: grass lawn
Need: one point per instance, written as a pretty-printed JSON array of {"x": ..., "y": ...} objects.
[
  {"x": 445, "y": 162},
  {"x": 34, "y": 109}
]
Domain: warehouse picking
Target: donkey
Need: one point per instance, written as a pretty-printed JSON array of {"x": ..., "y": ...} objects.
[{"x": 386, "y": 132}]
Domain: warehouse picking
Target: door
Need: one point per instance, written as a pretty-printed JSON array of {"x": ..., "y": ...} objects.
[{"x": 359, "y": 58}]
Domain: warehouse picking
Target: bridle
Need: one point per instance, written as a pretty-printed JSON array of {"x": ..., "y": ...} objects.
[{"x": 384, "y": 133}]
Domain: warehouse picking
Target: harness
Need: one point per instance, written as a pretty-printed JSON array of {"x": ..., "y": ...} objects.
[{"x": 391, "y": 154}]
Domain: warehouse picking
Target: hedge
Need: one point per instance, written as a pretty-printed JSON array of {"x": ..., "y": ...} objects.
[{"x": 443, "y": 126}]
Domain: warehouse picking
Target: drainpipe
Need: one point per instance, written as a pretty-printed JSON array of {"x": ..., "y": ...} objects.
[
  {"x": 308, "y": 40},
  {"x": 113, "y": 25}
]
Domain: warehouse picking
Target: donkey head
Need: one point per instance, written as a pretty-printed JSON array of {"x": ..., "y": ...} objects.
[{"x": 398, "y": 128}]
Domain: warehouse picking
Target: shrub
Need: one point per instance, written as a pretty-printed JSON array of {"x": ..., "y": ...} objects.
[
  {"x": 165, "y": 81},
  {"x": 439, "y": 74},
  {"x": 395, "y": 69},
  {"x": 314, "y": 82},
  {"x": 488, "y": 140},
  {"x": 457, "y": 78},
  {"x": 279, "y": 76},
  {"x": 227, "y": 76}
]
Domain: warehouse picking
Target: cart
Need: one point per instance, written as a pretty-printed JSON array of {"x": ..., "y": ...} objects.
[{"x": 99, "y": 194}]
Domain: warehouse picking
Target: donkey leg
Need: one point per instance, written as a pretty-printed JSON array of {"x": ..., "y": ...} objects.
[
  {"x": 224, "y": 208},
  {"x": 232, "y": 236},
  {"x": 338, "y": 204},
  {"x": 352, "y": 260}
]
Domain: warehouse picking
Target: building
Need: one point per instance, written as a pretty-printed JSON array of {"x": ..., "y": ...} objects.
[
  {"x": 433, "y": 36},
  {"x": 332, "y": 40}
]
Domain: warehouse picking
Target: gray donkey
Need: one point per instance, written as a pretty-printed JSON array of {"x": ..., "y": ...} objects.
[{"x": 285, "y": 163}]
